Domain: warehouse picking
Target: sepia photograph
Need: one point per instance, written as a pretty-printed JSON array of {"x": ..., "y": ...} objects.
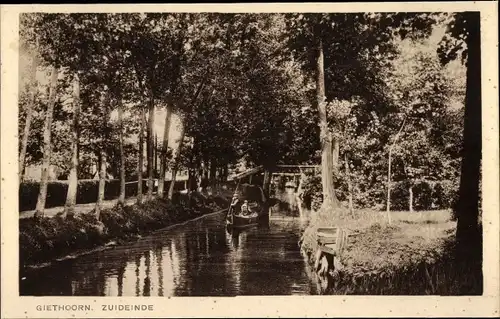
[{"x": 223, "y": 154}]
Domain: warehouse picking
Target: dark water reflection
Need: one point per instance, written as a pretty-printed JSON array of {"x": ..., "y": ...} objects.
[{"x": 200, "y": 258}]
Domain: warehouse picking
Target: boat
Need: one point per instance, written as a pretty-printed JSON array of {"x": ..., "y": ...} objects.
[{"x": 248, "y": 208}]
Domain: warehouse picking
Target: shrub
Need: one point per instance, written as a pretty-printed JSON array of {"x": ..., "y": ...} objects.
[{"x": 313, "y": 192}]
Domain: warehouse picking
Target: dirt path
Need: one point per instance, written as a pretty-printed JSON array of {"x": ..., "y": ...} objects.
[
  {"x": 85, "y": 208},
  {"x": 79, "y": 209}
]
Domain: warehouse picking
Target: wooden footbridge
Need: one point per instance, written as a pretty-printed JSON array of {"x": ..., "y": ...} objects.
[{"x": 291, "y": 173}]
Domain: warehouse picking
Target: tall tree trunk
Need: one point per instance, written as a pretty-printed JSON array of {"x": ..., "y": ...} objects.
[
  {"x": 226, "y": 172},
  {"x": 164, "y": 149},
  {"x": 29, "y": 116},
  {"x": 221, "y": 175},
  {"x": 151, "y": 121},
  {"x": 410, "y": 200},
  {"x": 103, "y": 160},
  {"x": 192, "y": 170},
  {"x": 177, "y": 160},
  {"x": 47, "y": 147},
  {"x": 467, "y": 210},
  {"x": 121, "y": 198},
  {"x": 213, "y": 172},
  {"x": 69, "y": 209},
  {"x": 102, "y": 183},
  {"x": 349, "y": 184},
  {"x": 181, "y": 139},
  {"x": 329, "y": 197},
  {"x": 140, "y": 165},
  {"x": 267, "y": 182},
  {"x": 389, "y": 174},
  {"x": 155, "y": 156},
  {"x": 336, "y": 151},
  {"x": 205, "y": 168},
  {"x": 192, "y": 183}
]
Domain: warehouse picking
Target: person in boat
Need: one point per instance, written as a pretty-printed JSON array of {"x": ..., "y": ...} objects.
[
  {"x": 244, "y": 209},
  {"x": 234, "y": 203},
  {"x": 235, "y": 200}
]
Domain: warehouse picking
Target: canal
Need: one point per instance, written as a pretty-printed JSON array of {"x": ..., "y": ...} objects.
[{"x": 198, "y": 258}]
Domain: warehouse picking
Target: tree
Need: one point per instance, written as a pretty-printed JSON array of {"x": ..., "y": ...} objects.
[
  {"x": 329, "y": 197},
  {"x": 155, "y": 66},
  {"x": 102, "y": 146},
  {"x": 184, "y": 123},
  {"x": 69, "y": 208},
  {"x": 42, "y": 195},
  {"x": 33, "y": 87},
  {"x": 121, "y": 198},
  {"x": 348, "y": 59},
  {"x": 164, "y": 150},
  {"x": 150, "y": 145},
  {"x": 464, "y": 37},
  {"x": 140, "y": 164}
]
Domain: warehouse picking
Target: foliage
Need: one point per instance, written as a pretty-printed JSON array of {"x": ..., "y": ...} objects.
[
  {"x": 377, "y": 73},
  {"x": 312, "y": 195}
]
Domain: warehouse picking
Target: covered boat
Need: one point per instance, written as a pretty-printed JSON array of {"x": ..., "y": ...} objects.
[{"x": 248, "y": 207}]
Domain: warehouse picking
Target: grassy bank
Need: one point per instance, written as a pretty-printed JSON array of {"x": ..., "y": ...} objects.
[
  {"x": 414, "y": 255},
  {"x": 52, "y": 238}
]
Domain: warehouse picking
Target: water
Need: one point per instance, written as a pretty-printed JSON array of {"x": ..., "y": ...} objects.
[{"x": 199, "y": 258}]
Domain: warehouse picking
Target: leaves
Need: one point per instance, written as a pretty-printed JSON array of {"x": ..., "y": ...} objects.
[{"x": 257, "y": 100}]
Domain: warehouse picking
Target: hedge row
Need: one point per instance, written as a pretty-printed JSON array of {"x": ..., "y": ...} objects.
[
  {"x": 87, "y": 192},
  {"x": 426, "y": 196}
]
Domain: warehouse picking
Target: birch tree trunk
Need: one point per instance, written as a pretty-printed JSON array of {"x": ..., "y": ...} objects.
[
  {"x": 103, "y": 162},
  {"x": 47, "y": 147},
  {"x": 140, "y": 164},
  {"x": 389, "y": 160},
  {"x": 102, "y": 183},
  {"x": 29, "y": 117},
  {"x": 177, "y": 160},
  {"x": 69, "y": 209},
  {"x": 388, "y": 203},
  {"x": 155, "y": 155},
  {"x": 349, "y": 185},
  {"x": 410, "y": 198},
  {"x": 121, "y": 198},
  {"x": 151, "y": 121},
  {"x": 164, "y": 149}
]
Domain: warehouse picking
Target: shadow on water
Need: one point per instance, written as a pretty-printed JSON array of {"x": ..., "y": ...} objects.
[{"x": 200, "y": 258}]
